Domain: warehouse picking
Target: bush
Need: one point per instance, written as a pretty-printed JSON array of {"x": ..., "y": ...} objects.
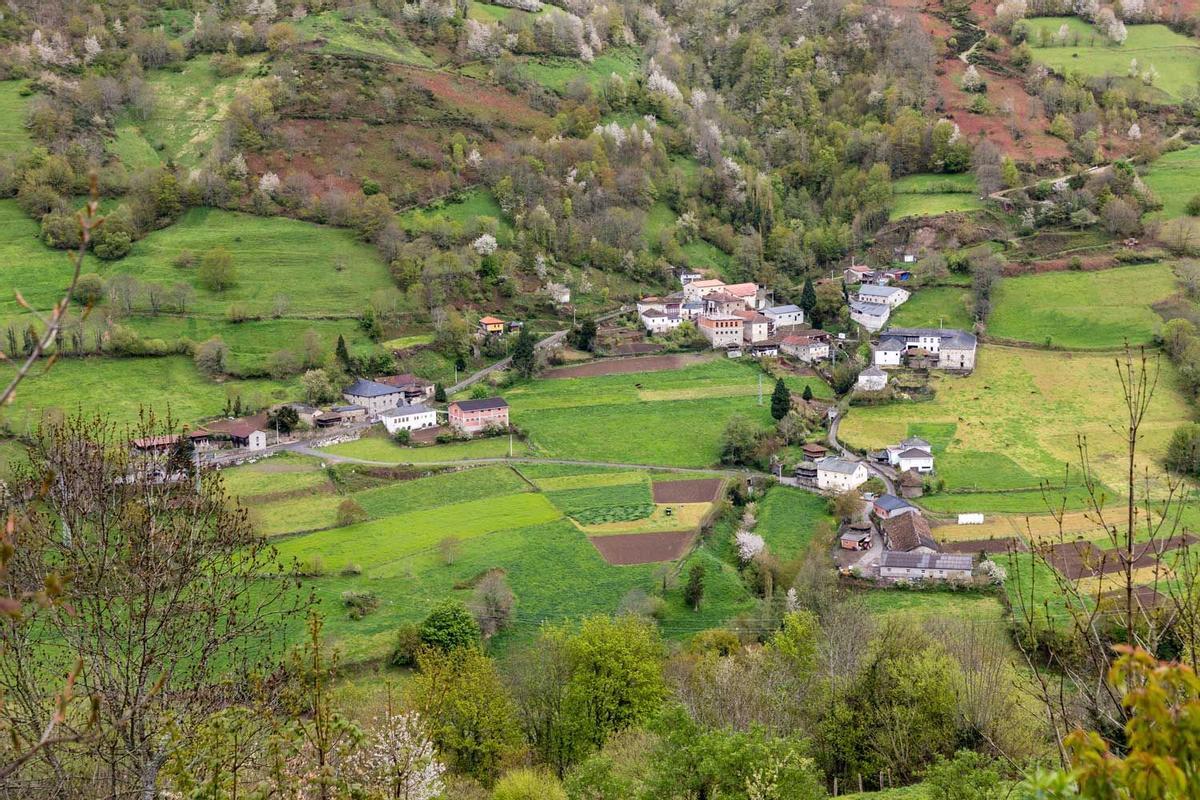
[
  {"x": 350, "y": 512},
  {"x": 528, "y": 784},
  {"x": 89, "y": 289},
  {"x": 1193, "y": 206},
  {"x": 402, "y": 437},
  {"x": 449, "y": 626},
  {"x": 408, "y": 642},
  {"x": 212, "y": 357},
  {"x": 360, "y": 603},
  {"x": 311, "y": 567},
  {"x": 217, "y": 272},
  {"x": 111, "y": 245}
]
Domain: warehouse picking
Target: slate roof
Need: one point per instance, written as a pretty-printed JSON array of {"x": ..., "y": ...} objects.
[
  {"x": 908, "y": 532},
  {"x": 365, "y": 388},
  {"x": 483, "y": 404},
  {"x": 871, "y": 290},
  {"x": 775, "y": 311},
  {"x": 870, "y": 309},
  {"x": 914, "y": 441},
  {"x": 890, "y": 503},
  {"x": 951, "y": 337},
  {"x": 915, "y": 452},
  {"x": 839, "y": 465},
  {"x": 891, "y": 558},
  {"x": 873, "y": 372},
  {"x": 891, "y": 345}
]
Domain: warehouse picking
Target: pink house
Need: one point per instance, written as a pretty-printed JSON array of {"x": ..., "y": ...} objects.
[{"x": 473, "y": 416}]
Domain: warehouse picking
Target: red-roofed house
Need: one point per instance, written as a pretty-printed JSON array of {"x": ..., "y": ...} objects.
[
  {"x": 721, "y": 330},
  {"x": 491, "y": 325},
  {"x": 805, "y": 348},
  {"x": 746, "y": 292}
]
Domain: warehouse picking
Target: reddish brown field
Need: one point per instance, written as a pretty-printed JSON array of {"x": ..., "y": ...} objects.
[
  {"x": 700, "y": 490},
  {"x": 1002, "y": 544},
  {"x": 595, "y": 369},
  {"x": 642, "y": 548}
]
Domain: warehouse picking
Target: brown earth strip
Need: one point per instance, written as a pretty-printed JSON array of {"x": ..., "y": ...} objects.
[
  {"x": 1075, "y": 560},
  {"x": 642, "y": 548},
  {"x": 1112, "y": 559},
  {"x": 697, "y": 490},
  {"x": 622, "y": 366},
  {"x": 1002, "y": 544}
]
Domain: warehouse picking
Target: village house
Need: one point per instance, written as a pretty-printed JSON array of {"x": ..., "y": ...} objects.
[
  {"x": 872, "y": 316},
  {"x": 375, "y": 397},
  {"x": 813, "y": 451},
  {"x": 839, "y": 475},
  {"x": 246, "y": 434},
  {"x": 305, "y": 413},
  {"x": 414, "y": 389},
  {"x": 655, "y": 321},
  {"x": 473, "y": 416},
  {"x": 784, "y": 315},
  {"x": 686, "y": 275},
  {"x": 858, "y": 273},
  {"x": 756, "y": 327},
  {"x": 808, "y": 349},
  {"x": 765, "y": 349},
  {"x": 651, "y": 303},
  {"x": 913, "y": 453},
  {"x": 926, "y": 566},
  {"x": 691, "y": 311},
  {"x": 722, "y": 303},
  {"x": 912, "y": 485},
  {"x": 908, "y": 533},
  {"x": 721, "y": 331},
  {"x": 163, "y": 443},
  {"x": 748, "y": 293},
  {"x": 806, "y": 471},
  {"x": 887, "y": 506},
  {"x": 892, "y": 296},
  {"x": 408, "y": 418},
  {"x": 491, "y": 326},
  {"x": 871, "y": 379},
  {"x": 898, "y": 275},
  {"x": 696, "y": 291},
  {"x": 856, "y": 536},
  {"x": 948, "y": 348},
  {"x": 350, "y": 414}
]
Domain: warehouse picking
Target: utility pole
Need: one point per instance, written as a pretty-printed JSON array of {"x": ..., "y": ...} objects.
[
  {"x": 760, "y": 388},
  {"x": 510, "y": 452}
]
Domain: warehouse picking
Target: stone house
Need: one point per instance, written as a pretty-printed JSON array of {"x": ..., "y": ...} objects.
[
  {"x": 892, "y": 296},
  {"x": 872, "y": 316},
  {"x": 836, "y": 474},
  {"x": 805, "y": 348},
  {"x": 722, "y": 330},
  {"x": 926, "y": 566},
  {"x": 871, "y": 379},
  {"x": 908, "y": 533},
  {"x": 374, "y": 396}
]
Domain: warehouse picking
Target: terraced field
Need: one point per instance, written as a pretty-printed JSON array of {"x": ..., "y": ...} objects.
[
  {"x": 928, "y": 195},
  {"x": 1175, "y": 179}
]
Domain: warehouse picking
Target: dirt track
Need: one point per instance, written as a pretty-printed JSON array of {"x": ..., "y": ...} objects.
[{"x": 642, "y": 548}]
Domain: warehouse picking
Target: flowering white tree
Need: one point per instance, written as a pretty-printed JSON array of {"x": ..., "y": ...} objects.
[
  {"x": 485, "y": 245},
  {"x": 474, "y": 159},
  {"x": 237, "y": 167},
  {"x": 972, "y": 81},
  {"x": 748, "y": 545},
  {"x": 657, "y": 82},
  {"x": 993, "y": 571},
  {"x": 1135, "y": 132},
  {"x": 399, "y": 759},
  {"x": 269, "y": 183},
  {"x": 91, "y": 49},
  {"x": 1087, "y": 9}
]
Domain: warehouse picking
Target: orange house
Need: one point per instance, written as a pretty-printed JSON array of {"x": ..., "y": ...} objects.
[{"x": 491, "y": 325}]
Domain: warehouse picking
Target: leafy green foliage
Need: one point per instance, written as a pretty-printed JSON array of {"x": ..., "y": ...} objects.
[{"x": 449, "y": 627}]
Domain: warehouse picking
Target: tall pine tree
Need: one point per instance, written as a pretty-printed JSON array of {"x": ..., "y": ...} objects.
[
  {"x": 781, "y": 400},
  {"x": 524, "y": 357},
  {"x": 343, "y": 355},
  {"x": 808, "y": 300}
]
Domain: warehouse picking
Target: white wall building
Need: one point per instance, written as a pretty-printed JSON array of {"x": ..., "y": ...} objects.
[
  {"x": 784, "y": 315},
  {"x": 659, "y": 321},
  {"x": 408, "y": 418},
  {"x": 954, "y": 349},
  {"x": 872, "y": 316},
  {"x": 894, "y": 565},
  {"x": 871, "y": 379},
  {"x": 884, "y": 295},
  {"x": 696, "y": 291},
  {"x": 889, "y": 352},
  {"x": 839, "y": 475}
]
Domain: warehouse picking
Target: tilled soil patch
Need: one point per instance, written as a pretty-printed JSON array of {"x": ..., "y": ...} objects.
[
  {"x": 624, "y": 549},
  {"x": 699, "y": 490},
  {"x": 1002, "y": 544}
]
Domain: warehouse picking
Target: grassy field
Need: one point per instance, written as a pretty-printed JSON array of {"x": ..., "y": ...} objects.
[
  {"x": 928, "y": 195},
  {"x": 13, "y": 135},
  {"x": 1017, "y": 417},
  {"x": 670, "y": 418},
  {"x": 361, "y": 33},
  {"x": 458, "y": 213},
  {"x": 377, "y": 447},
  {"x": 556, "y": 74},
  {"x": 122, "y": 387},
  {"x": 1175, "y": 179},
  {"x": 1083, "y": 310},
  {"x": 190, "y": 107},
  {"x": 935, "y": 307},
  {"x": 1176, "y": 57},
  {"x": 786, "y": 519}
]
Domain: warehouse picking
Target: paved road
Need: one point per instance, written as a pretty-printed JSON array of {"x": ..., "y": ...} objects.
[{"x": 878, "y": 470}]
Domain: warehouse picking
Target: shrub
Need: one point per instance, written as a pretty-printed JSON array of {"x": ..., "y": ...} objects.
[
  {"x": 1193, "y": 206},
  {"x": 217, "y": 272},
  {"x": 360, "y": 603},
  {"x": 185, "y": 260},
  {"x": 111, "y": 245},
  {"x": 89, "y": 289},
  {"x": 402, "y": 437},
  {"x": 212, "y": 357},
  {"x": 313, "y": 567},
  {"x": 408, "y": 642},
  {"x": 528, "y": 784},
  {"x": 449, "y": 626},
  {"x": 350, "y": 512}
]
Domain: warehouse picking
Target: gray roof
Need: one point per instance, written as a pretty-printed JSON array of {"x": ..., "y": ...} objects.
[
  {"x": 890, "y": 344},
  {"x": 873, "y": 372},
  {"x": 892, "y": 558},
  {"x": 871, "y": 290},
  {"x": 889, "y": 502},
  {"x": 407, "y": 411},
  {"x": 952, "y": 337},
  {"x": 841, "y": 465},
  {"x": 482, "y": 404},
  {"x": 870, "y": 309},
  {"x": 365, "y": 388},
  {"x": 914, "y": 452},
  {"x": 914, "y": 441},
  {"x": 340, "y": 409},
  {"x": 789, "y": 309}
]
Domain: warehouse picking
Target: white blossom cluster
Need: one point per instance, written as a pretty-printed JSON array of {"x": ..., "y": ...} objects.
[
  {"x": 485, "y": 245},
  {"x": 269, "y": 183},
  {"x": 532, "y": 6},
  {"x": 658, "y": 82},
  {"x": 748, "y": 544},
  {"x": 996, "y": 573},
  {"x": 398, "y": 755}
]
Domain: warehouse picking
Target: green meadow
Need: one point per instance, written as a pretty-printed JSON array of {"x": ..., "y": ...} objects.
[
  {"x": 1083, "y": 310},
  {"x": 377, "y": 447},
  {"x": 359, "y": 32},
  {"x": 556, "y": 74},
  {"x": 1175, "y": 179},
  {"x": 13, "y": 105},
  {"x": 935, "y": 307},
  {"x": 1175, "y": 57},
  {"x": 928, "y": 195},
  {"x": 787, "y": 518}
]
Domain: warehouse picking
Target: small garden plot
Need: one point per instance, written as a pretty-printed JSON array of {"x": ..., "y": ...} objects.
[
  {"x": 679, "y": 517},
  {"x": 584, "y": 480},
  {"x": 787, "y": 519},
  {"x": 1175, "y": 179},
  {"x": 1174, "y": 57},
  {"x": 696, "y": 490},
  {"x": 597, "y": 505},
  {"x": 642, "y": 548},
  {"x": 1003, "y": 544}
]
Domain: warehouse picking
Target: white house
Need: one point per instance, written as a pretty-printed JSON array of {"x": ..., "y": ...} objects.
[
  {"x": 885, "y": 295},
  {"x": 408, "y": 418},
  {"x": 872, "y": 316},
  {"x": 913, "y": 453},
  {"x": 805, "y": 348},
  {"x": 839, "y": 475},
  {"x": 889, "y": 352},
  {"x": 686, "y": 275},
  {"x": 375, "y": 397},
  {"x": 659, "y": 321},
  {"x": 722, "y": 330},
  {"x": 871, "y": 379},
  {"x": 696, "y": 291},
  {"x": 756, "y": 327},
  {"x": 652, "y": 303},
  {"x": 925, "y": 566},
  {"x": 784, "y": 315},
  {"x": 954, "y": 349}
]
